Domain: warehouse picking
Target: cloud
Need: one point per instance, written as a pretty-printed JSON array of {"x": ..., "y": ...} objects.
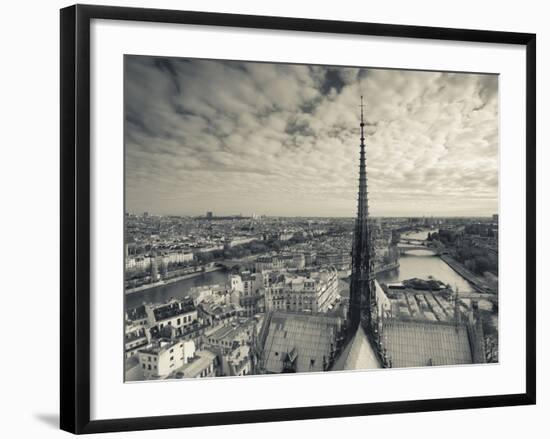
[{"x": 277, "y": 139}]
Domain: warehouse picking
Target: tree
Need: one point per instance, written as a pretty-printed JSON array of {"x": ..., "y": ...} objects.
[{"x": 481, "y": 264}]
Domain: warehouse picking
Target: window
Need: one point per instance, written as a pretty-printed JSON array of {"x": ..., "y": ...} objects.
[
  {"x": 149, "y": 366},
  {"x": 143, "y": 365},
  {"x": 172, "y": 358}
]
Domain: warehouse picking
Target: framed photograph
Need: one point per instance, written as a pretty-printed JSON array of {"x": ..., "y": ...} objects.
[{"x": 268, "y": 218}]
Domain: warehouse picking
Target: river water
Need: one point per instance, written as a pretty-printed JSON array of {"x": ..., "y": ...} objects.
[
  {"x": 422, "y": 264},
  {"x": 416, "y": 263},
  {"x": 179, "y": 289}
]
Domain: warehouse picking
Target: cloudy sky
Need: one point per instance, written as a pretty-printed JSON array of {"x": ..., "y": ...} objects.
[{"x": 275, "y": 139}]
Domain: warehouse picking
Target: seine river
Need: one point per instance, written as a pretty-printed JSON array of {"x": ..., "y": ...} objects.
[
  {"x": 421, "y": 264},
  {"x": 177, "y": 289},
  {"x": 416, "y": 263}
]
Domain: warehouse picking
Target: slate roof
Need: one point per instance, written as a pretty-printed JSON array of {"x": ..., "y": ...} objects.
[
  {"x": 195, "y": 367},
  {"x": 173, "y": 309},
  {"x": 358, "y": 354},
  {"x": 137, "y": 313},
  {"x": 312, "y": 336},
  {"x": 423, "y": 343}
]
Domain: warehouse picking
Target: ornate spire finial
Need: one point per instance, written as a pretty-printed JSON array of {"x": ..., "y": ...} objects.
[{"x": 362, "y": 105}]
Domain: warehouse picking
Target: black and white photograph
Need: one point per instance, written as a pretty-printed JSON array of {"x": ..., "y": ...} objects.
[
  {"x": 275, "y": 220},
  {"x": 295, "y": 218}
]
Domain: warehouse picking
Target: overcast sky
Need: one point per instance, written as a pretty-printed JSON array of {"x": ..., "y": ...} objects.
[{"x": 274, "y": 139}]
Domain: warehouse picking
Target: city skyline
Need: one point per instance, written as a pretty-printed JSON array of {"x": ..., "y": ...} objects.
[
  {"x": 282, "y": 140},
  {"x": 244, "y": 216},
  {"x": 238, "y": 297}
]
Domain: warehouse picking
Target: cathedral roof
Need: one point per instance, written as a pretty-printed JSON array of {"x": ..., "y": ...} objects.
[
  {"x": 423, "y": 343},
  {"x": 307, "y": 339},
  {"x": 358, "y": 354}
]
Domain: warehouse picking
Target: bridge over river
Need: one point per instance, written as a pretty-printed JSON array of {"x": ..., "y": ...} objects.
[{"x": 406, "y": 245}]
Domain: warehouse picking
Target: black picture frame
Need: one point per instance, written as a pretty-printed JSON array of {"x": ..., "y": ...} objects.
[{"x": 75, "y": 217}]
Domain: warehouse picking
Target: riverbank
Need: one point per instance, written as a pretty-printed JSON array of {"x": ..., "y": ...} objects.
[
  {"x": 478, "y": 284},
  {"x": 173, "y": 280},
  {"x": 423, "y": 266},
  {"x": 386, "y": 268}
]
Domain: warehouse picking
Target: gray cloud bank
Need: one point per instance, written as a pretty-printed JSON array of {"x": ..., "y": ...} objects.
[{"x": 275, "y": 139}]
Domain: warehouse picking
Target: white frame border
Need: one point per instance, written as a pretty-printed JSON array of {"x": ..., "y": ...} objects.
[{"x": 111, "y": 398}]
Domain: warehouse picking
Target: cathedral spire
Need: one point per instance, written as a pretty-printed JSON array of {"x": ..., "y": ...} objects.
[
  {"x": 360, "y": 285},
  {"x": 363, "y": 205}
]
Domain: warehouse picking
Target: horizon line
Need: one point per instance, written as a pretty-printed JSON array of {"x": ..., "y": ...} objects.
[{"x": 237, "y": 215}]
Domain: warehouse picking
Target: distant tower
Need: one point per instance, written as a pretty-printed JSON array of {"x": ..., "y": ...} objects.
[{"x": 361, "y": 284}]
